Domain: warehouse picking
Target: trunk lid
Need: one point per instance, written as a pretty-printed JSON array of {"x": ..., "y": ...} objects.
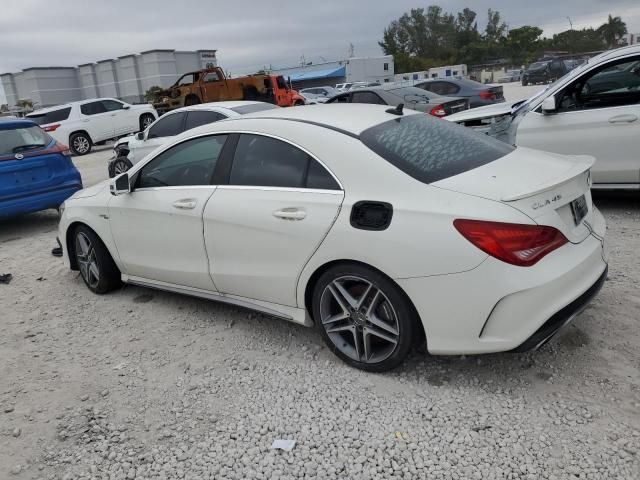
[
  {"x": 545, "y": 186},
  {"x": 455, "y": 106}
]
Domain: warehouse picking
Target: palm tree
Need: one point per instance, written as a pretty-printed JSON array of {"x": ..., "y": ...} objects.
[{"x": 612, "y": 31}]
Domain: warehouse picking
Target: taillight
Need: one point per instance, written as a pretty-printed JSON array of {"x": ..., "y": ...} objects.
[
  {"x": 521, "y": 245},
  {"x": 51, "y": 128},
  {"x": 57, "y": 148},
  {"x": 438, "y": 111},
  {"x": 487, "y": 95}
]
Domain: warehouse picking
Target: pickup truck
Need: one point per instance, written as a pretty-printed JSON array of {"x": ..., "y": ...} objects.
[{"x": 212, "y": 85}]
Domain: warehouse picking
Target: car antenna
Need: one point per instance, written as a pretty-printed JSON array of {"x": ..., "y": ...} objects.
[{"x": 397, "y": 110}]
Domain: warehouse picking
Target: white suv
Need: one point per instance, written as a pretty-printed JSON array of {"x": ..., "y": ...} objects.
[{"x": 83, "y": 124}]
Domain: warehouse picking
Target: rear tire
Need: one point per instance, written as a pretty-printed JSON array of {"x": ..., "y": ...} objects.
[
  {"x": 80, "y": 143},
  {"x": 363, "y": 317},
  {"x": 97, "y": 268},
  {"x": 191, "y": 100}
]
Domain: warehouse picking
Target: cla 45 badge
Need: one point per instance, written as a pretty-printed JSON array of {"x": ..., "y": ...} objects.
[{"x": 545, "y": 202}]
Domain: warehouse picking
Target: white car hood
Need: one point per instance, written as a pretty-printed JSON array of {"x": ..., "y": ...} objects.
[
  {"x": 91, "y": 191},
  {"x": 495, "y": 110}
]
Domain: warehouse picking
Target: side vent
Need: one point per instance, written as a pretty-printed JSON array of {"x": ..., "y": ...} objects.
[{"x": 370, "y": 215}]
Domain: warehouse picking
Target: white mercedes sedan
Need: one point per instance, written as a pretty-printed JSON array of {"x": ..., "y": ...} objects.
[{"x": 378, "y": 226}]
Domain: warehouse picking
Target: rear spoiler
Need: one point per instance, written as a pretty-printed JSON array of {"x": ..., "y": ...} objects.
[{"x": 583, "y": 164}]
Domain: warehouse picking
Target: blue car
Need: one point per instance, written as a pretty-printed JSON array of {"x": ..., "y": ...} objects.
[{"x": 36, "y": 172}]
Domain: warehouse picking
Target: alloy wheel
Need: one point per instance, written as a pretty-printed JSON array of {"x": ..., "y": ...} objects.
[
  {"x": 81, "y": 144},
  {"x": 87, "y": 262},
  {"x": 359, "y": 319},
  {"x": 120, "y": 167},
  {"x": 146, "y": 121}
]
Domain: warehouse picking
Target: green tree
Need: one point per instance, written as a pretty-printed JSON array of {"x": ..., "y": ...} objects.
[
  {"x": 522, "y": 45},
  {"x": 153, "y": 93},
  {"x": 26, "y": 105},
  {"x": 612, "y": 31},
  {"x": 4, "y": 107},
  {"x": 575, "y": 41}
]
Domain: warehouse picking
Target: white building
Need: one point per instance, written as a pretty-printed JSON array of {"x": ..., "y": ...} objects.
[
  {"x": 631, "y": 38},
  {"x": 435, "y": 72},
  {"x": 357, "y": 69},
  {"x": 127, "y": 77}
]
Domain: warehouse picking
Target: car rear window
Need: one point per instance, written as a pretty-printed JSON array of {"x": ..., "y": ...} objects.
[
  {"x": 50, "y": 117},
  {"x": 20, "y": 140},
  {"x": 254, "y": 107},
  {"x": 404, "y": 92},
  {"x": 430, "y": 149}
]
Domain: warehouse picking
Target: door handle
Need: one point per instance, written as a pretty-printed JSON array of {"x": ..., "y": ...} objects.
[
  {"x": 623, "y": 119},
  {"x": 185, "y": 204},
  {"x": 290, "y": 214}
]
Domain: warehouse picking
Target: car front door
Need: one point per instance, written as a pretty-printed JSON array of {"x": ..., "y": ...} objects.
[
  {"x": 262, "y": 228},
  {"x": 157, "y": 227},
  {"x": 97, "y": 121},
  {"x": 214, "y": 87},
  {"x": 597, "y": 114},
  {"x": 124, "y": 119}
]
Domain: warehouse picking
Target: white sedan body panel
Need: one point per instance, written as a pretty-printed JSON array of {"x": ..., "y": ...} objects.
[
  {"x": 261, "y": 246},
  {"x": 158, "y": 234},
  {"x": 609, "y": 133}
]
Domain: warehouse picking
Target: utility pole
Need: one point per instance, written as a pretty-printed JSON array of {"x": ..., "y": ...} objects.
[{"x": 570, "y": 23}]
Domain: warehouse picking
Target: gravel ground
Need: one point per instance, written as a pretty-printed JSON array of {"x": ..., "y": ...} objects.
[{"x": 151, "y": 385}]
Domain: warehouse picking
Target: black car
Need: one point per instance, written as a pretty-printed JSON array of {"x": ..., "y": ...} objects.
[{"x": 545, "y": 71}]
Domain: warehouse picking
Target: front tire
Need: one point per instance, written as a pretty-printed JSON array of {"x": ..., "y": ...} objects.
[
  {"x": 118, "y": 166},
  {"x": 191, "y": 100},
  {"x": 97, "y": 268},
  {"x": 146, "y": 119},
  {"x": 363, "y": 317},
  {"x": 80, "y": 143}
]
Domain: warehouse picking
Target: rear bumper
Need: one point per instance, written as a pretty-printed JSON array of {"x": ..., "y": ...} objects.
[
  {"x": 498, "y": 307},
  {"x": 29, "y": 203}
]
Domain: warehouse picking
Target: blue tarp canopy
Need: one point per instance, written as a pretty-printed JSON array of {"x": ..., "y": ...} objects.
[{"x": 317, "y": 74}]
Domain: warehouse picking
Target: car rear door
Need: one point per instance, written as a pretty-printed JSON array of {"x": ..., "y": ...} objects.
[
  {"x": 597, "y": 114},
  {"x": 157, "y": 227},
  {"x": 263, "y": 226},
  {"x": 97, "y": 121}
]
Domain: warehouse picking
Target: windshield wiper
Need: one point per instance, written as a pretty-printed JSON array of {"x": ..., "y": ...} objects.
[{"x": 29, "y": 146}]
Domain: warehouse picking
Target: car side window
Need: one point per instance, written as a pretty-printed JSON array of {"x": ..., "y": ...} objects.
[
  {"x": 92, "y": 108},
  {"x": 267, "y": 162},
  {"x": 344, "y": 98},
  {"x": 111, "y": 105},
  {"x": 613, "y": 85},
  {"x": 211, "y": 77},
  {"x": 197, "y": 118},
  {"x": 449, "y": 88},
  {"x": 191, "y": 162},
  {"x": 167, "y": 126},
  {"x": 366, "y": 97}
]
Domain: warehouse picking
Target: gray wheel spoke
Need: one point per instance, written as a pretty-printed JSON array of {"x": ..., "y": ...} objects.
[
  {"x": 84, "y": 245},
  {"x": 363, "y": 297},
  {"x": 374, "y": 319},
  {"x": 351, "y": 301},
  {"x": 341, "y": 328},
  {"x": 93, "y": 268},
  {"x": 336, "y": 318},
  {"x": 339, "y": 298},
  {"x": 377, "y": 333},
  {"x": 374, "y": 302},
  {"x": 358, "y": 344}
]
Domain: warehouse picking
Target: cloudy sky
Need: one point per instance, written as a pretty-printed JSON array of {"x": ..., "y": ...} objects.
[{"x": 248, "y": 34}]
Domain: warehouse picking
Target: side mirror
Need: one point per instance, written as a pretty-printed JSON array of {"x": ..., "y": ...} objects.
[
  {"x": 140, "y": 135},
  {"x": 126, "y": 107},
  {"x": 549, "y": 105},
  {"x": 120, "y": 185}
]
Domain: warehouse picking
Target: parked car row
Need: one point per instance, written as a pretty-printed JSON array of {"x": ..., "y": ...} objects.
[{"x": 389, "y": 218}]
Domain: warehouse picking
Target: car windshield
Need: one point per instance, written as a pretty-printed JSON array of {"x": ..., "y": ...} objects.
[
  {"x": 430, "y": 149},
  {"x": 50, "y": 117},
  {"x": 17, "y": 140},
  {"x": 254, "y": 107},
  {"x": 537, "y": 65}
]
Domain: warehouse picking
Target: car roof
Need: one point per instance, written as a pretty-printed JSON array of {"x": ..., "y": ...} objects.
[
  {"x": 214, "y": 106},
  {"x": 71, "y": 104},
  {"x": 12, "y": 124},
  {"x": 351, "y": 118}
]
